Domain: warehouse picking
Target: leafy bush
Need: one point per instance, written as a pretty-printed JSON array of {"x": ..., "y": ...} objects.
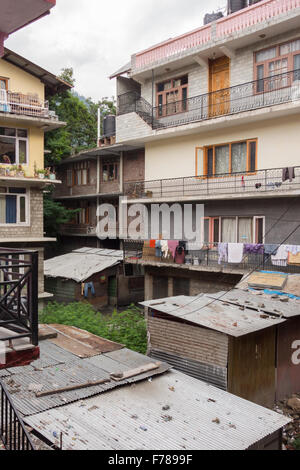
[
  {"x": 128, "y": 327},
  {"x": 296, "y": 444}
]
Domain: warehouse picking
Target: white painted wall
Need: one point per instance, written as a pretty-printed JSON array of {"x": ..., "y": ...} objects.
[{"x": 278, "y": 146}]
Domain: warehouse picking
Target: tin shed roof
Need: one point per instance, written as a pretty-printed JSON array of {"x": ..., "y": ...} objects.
[
  {"x": 214, "y": 314},
  {"x": 199, "y": 416},
  {"x": 81, "y": 264}
]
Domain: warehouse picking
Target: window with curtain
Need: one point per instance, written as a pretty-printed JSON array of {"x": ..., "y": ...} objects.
[
  {"x": 237, "y": 157},
  {"x": 13, "y": 206},
  {"x": 13, "y": 146},
  {"x": 276, "y": 62},
  {"x": 229, "y": 229},
  {"x": 245, "y": 230}
]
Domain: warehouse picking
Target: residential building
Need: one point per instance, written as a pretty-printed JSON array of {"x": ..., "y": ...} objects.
[
  {"x": 218, "y": 111},
  {"x": 24, "y": 119}
]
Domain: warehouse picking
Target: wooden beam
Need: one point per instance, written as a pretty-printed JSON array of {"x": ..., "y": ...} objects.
[
  {"x": 72, "y": 387},
  {"x": 117, "y": 377}
]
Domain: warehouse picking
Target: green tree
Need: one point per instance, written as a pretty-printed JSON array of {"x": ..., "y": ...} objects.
[{"x": 56, "y": 214}]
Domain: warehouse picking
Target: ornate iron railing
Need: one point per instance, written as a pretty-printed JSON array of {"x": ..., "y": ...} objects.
[
  {"x": 249, "y": 96},
  {"x": 19, "y": 294},
  {"x": 252, "y": 183},
  {"x": 13, "y": 432},
  {"x": 207, "y": 258}
]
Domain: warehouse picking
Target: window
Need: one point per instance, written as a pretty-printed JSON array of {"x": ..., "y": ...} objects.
[
  {"x": 13, "y": 206},
  {"x": 83, "y": 217},
  {"x": 233, "y": 158},
  {"x": 234, "y": 230},
  {"x": 110, "y": 171},
  {"x": 273, "y": 64},
  {"x": 81, "y": 174},
  {"x": 13, "y": 146},
  {"x": 171, "y": 96},
  {"x": 3, "y": 84}
]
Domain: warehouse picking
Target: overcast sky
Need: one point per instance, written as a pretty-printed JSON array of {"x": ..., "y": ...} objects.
[{"x": 97, "y": 37}]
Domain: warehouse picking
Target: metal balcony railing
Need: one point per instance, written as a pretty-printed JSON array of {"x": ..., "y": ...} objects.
[
  {"x": 270, "y": 91},
  {"x": 18, "y": 295},
  {"x": 28, "y": 105},
  {"x": 13, "y": 432},
  {"x": 74, "y": 229},
  {"x": 207, "y": 258},
  {"x": 254, "y": 183}
]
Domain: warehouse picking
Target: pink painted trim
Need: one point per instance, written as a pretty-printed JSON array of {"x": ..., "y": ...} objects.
[{"x": 255, "y": 14}]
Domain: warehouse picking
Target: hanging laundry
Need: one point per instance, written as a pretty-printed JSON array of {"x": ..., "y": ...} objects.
[
  {"x": 235, "y": 253},
  {"x": 158, "y": 252},
  {"x": 89, "y": 286},
  {"x": 257, "y": 249},
  {"x": 179, "y": 255},
  {"x": 281, "y": 257},
  {"x": 164, "y": 248},
  {"x": 223, "y": 252},
  {"x": 194, "y": 246},
  {"x": 271, "y": 249},
  {"x": 258, "y": 185},
  {"x": 294, "y": 259},
  {"x": 288, "y": 174},
  {"x": 172, "y": 245},
  {"x": 152, "y": 243}
]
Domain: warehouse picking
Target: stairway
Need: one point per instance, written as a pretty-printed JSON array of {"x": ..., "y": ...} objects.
[{"x": 18, "y": 351}]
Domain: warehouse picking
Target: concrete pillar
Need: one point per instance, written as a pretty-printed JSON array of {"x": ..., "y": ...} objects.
[
  {"x": 170, "y": 287},
  {"x": 148, "y": 287}
]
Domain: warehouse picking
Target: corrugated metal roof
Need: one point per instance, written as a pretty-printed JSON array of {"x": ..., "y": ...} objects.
[
  {"x": 132, "y": 418},
  {"x": 215, "y": 314},
  {"x": 279, "y": 306},
  {"x": 80, "y": 265},
  {"x": 72, "y": 371}
]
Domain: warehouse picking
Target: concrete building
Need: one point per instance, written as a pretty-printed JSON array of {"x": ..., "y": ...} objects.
[
  {"x": 218, "y": 111},
  {"x": 24, "y": 119}
]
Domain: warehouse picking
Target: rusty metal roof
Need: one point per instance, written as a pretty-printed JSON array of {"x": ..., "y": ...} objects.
[
  {"x": 215, "y": 314},
  {"x": 133, "y": 418}
]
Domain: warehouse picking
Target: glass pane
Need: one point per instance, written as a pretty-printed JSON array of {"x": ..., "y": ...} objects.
[
  {"x": 297, "y": 67},
  {"x": 8, "y": 131},
  {"x": 259, "y": 231},
  {"x": 295, "y": 46},
  {"x": 22, "y": 209},
  {"x": 79, "y": 177},
  {"x": 160, "y": 87},
  {"x": 17, "y": 190},
  {"x": 3, "y": 84},
  {"x": 216, "y": 230},
  {"x": 245, "y": 230},
  {"x": 285, "y": 49},
  {"x": 260, "y": 78},
  {"x": 22, "y": 133},
  {"x": 22, "y": 152},
  {"x": 206, "y": 230},
  {"x": 168, "y": 86},
  {"x": 210, "y": 162},
  {"x": 7, "y": 150},
  {"x": 229, "y": 230},
  {"x": 84, "y": 176},
  {"x": 266, "y": 55},
  {"x": 239, "y": 157},
  {"x": 11, "y": 209},
  {"x": 222, "y": 160},
  {"x": 252, "y": 163}
]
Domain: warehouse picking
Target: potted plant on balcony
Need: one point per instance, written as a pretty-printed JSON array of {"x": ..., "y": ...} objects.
[
  {"x": 2, "y": 171},
  {"x": 41, "y": 174},
  {"x": 20, "y": 171},
  {"x": 13, "y": 170}
]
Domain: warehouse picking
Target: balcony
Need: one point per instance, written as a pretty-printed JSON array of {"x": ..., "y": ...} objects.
[
  {"x": 258, "y": 184},
  {"x": 255, "y": 95},
  {"x": 25, "y": 105},
  {"x": 246, "y": 21},
  {"x": 206, "y": 259}
]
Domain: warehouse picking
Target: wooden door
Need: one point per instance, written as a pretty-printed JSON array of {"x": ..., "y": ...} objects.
[
  {"x": 252, "y": 367},
  {"x": 219, "y": 86}
]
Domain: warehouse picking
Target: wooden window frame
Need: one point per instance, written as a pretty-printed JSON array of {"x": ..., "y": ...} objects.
[
  {"x": 278, "y": 56},
  {"x": 6, "y": 80},
  {"x": 229, "y": 173},
  {"x": 170, "y": 90},
  {"x": 211, "y": 219},
  {"x": 17, "y": 146},
  {"x": 80, "y": 168},
  {"x": 26, "y": 196},
  {"x": 116, "y": 166}
]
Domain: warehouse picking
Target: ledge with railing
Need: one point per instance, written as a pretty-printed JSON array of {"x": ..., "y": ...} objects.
[
  {"x": 254, "y": 95},
  {"x": 25, "y": 104},
  {"x": 258, "y": 183},
  {"x": 18, "y": 296},
  {"x": 259, "y": 14},
  {"x": 208, "y": 258},
  {"x": 78, "y": 230},
  {"x": 13, "y": 432}
]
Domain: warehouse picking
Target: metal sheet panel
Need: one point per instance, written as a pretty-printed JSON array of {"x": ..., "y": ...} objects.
[
  {"x": 286, "y": 308},
  {"x": 288, "y": 359},
  {"x": 193, "y": 342},
  {"x": 132, "y": 418},
  {"x": 229, "y": 319},
  {"x": 212, "y": 374}
]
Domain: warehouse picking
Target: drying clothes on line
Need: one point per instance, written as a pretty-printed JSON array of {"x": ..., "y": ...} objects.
[
  {"x": 281, "y": 257},
  {"x": 257, "y": 249},
  {"x": 164, "y": 248},
  {"x": 158, "y": 252},
  {"x": 294, "y": 249},
  {"x": 172, "y": 245},
  {"x": 183, "y": 244},
  {"x": 89, "y": 286},
  {"x": 235, "y": 253},
  {"x": 194, "y": 246},
  {"x": 288, "y": 174},
  {"x": 294, "y": 259},
  {"x": 271, "y": 249},
  {"x": 179, "y": 255},
  {"x": 258, "y": 185},
  {"x": 152, "y": 243},
  {"x": 223, "y": 252}
]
